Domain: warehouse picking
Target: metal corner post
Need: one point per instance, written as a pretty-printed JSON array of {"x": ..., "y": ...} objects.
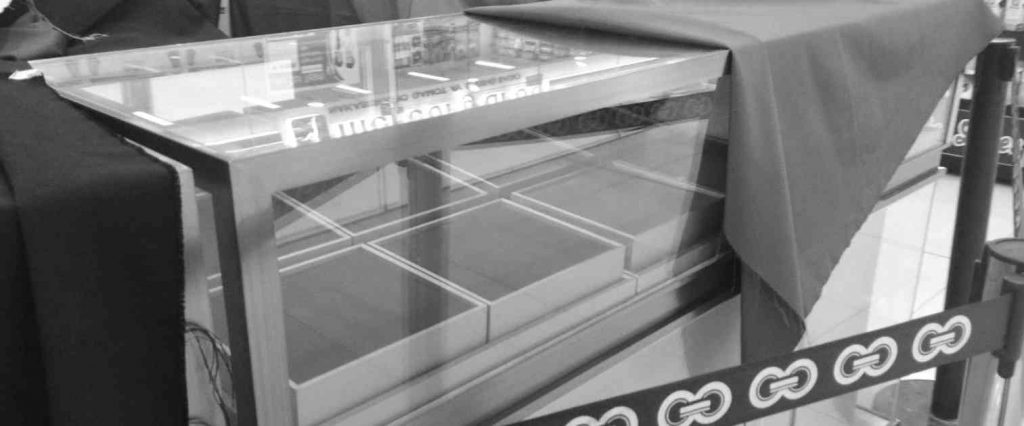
[{"x": 993, "y": 74}]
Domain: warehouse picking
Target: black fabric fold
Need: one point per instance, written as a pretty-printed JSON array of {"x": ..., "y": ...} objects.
[
  {"x": 95, "y": 301},
  {"x": 19, "y": 332},
  {"x": 102, "y": 244}
]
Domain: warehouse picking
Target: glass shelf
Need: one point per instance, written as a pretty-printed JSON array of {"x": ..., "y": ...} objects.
[
  {"x": 354, "y": 316},
  {"x": 656, "y": 220},
  {"x": 522, "y": 264},
  {"x": 368, "y": 204}
]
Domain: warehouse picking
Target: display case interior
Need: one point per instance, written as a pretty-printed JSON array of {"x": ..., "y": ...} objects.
[
  {"x": 522, "y": 264},
  {"x": 429, "y": 197},
  {"x": 599, "y": 206},
  {"x": 355, "y": 316}
]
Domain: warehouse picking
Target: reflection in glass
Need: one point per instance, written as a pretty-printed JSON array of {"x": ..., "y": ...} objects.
[
  {"x": 257, "y": 95},
  {"x": 522, "y": 263},
  {"x": 344, "y": 306}
]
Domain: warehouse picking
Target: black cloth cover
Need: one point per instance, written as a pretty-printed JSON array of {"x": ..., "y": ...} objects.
[
  {"x": 143, "y": 23},
  {"x": 102, "y": 244},
  {"x": 23, "y": 393},
  {"x": 253, "y": 17},
  {"x": 828, "y": 96},
  {"x": 91, "y": 275},
  {"x": 24, "y": 34}
]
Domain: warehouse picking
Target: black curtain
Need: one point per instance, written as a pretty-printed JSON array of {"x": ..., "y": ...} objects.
[{"x": 91, "y": 280}]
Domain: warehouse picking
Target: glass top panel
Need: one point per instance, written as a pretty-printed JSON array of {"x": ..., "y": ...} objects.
[
  {"x": 343, "y": 306},
  {"x": 257, "y": 95}
]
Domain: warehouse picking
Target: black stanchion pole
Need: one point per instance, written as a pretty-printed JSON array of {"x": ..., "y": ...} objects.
[
  {"x": 993, "y": 73},
  {"x": 1001, "y": 262}
]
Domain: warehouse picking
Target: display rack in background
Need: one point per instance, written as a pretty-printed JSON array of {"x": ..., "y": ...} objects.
[{"x": 1011, "y": 12}]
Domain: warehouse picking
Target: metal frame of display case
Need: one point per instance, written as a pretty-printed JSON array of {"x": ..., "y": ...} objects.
[{"x": 242, "y": 195}]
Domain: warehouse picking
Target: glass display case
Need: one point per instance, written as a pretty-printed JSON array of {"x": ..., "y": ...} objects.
[
  {"x": 420, "y": 205},
  {"x": 426, "y": 221}
]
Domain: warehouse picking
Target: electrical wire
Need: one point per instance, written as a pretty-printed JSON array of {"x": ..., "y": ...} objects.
[
  {"x": 32, "y": 6},
  {"x": 213, "y": 363}
]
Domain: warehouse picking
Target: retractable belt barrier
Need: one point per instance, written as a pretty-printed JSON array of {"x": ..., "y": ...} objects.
[{"x": 755, "y": 390}]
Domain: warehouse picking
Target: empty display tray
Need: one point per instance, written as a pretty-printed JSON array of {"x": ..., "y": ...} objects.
[
  {"x": 677, "y": 152},
  {"x": 364, "y": 205},
  {"x": 511, "y": 164},
  {"x": 521, "y": 263},
  {"x": 356, "y": 317},
  {"x": 655, "y": 220}
]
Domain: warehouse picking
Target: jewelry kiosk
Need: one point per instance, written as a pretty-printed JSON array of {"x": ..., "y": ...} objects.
[{"x": 438, "y": 220}]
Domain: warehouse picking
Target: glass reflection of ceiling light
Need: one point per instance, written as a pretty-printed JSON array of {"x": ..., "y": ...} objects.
[
  {"x": 138, "y": 67},
  {"x": 353, "y": 89},
  {"x": 490, "y": 64},
  {"x": 152, "y": 118},
  {"x": 251, "y": 148},
  {"x": 473, "y": 80},
  {"x": 316, "y": 104},
  {"x": 259, "y": 102},
  {"x": 427, "y": 76},
  {"x": 580, "y": 58},
  {"x": 226, "y": 59}
]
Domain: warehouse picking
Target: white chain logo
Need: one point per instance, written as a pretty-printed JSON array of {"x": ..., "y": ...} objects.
[
  {"x": 773, "y": 383},
  {"x": 618, "y": 416},
  {"x": 706, "y": 406},
  {"x": 855, "y": 361},
  {"x": 948, "y": 339}
]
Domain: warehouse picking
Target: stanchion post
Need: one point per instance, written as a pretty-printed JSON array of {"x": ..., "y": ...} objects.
[
  {"x": 1010, "y": 353},
  {"x": 993, "y": 73}
]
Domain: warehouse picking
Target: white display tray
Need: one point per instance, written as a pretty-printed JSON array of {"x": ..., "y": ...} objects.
[
  {"x": 368, "y": 205},
  {"x": 357, "y": 317},
  {"x": 679, "y": 153},
  {"x": 521, "y": 263},
  {"x": 655, "y": 220},
  {"x": 692, "y": 256},
  {"x": 509, "y": 165}
]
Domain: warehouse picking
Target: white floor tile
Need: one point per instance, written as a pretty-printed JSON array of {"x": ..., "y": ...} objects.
[
  {"x": 931, "y": 280},
  {"x": 805, "y": 416},
  {"x": 943, "y": 215},
  {"x": 906, "y": 220}
]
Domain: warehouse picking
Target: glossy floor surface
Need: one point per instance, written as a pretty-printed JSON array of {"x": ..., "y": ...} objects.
[{"x": 894, "y": 270}]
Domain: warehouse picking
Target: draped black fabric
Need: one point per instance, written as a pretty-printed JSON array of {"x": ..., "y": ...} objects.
[
  {"x": 23, "y": 393},
  {"x": 91, "y": 279},
  {"x": 828, "y": 96},
  {"x": 102, "y": 244}
]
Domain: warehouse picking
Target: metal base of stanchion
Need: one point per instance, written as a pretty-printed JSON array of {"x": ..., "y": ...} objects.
[{"x": 908, "y": 402}]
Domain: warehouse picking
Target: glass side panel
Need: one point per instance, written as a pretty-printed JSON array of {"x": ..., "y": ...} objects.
[
  {"x": 498, "y": 249},
  {"x": 252, "y": 96},
  {"x": 341, "y": 307},
  {"x": 393, "y": 273},
  {"x": 655, "y": 219},
  {"x": 368, "y": 201}
]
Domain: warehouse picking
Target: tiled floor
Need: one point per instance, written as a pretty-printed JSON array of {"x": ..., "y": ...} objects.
[
  {"x": 902, "y": 251},
  {"x": 894, "y": 270}
]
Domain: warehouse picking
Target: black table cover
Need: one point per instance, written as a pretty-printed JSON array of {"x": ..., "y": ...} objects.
[
  {"x": 828, "y": 96},
  {"x": 91, "y": 280}
]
